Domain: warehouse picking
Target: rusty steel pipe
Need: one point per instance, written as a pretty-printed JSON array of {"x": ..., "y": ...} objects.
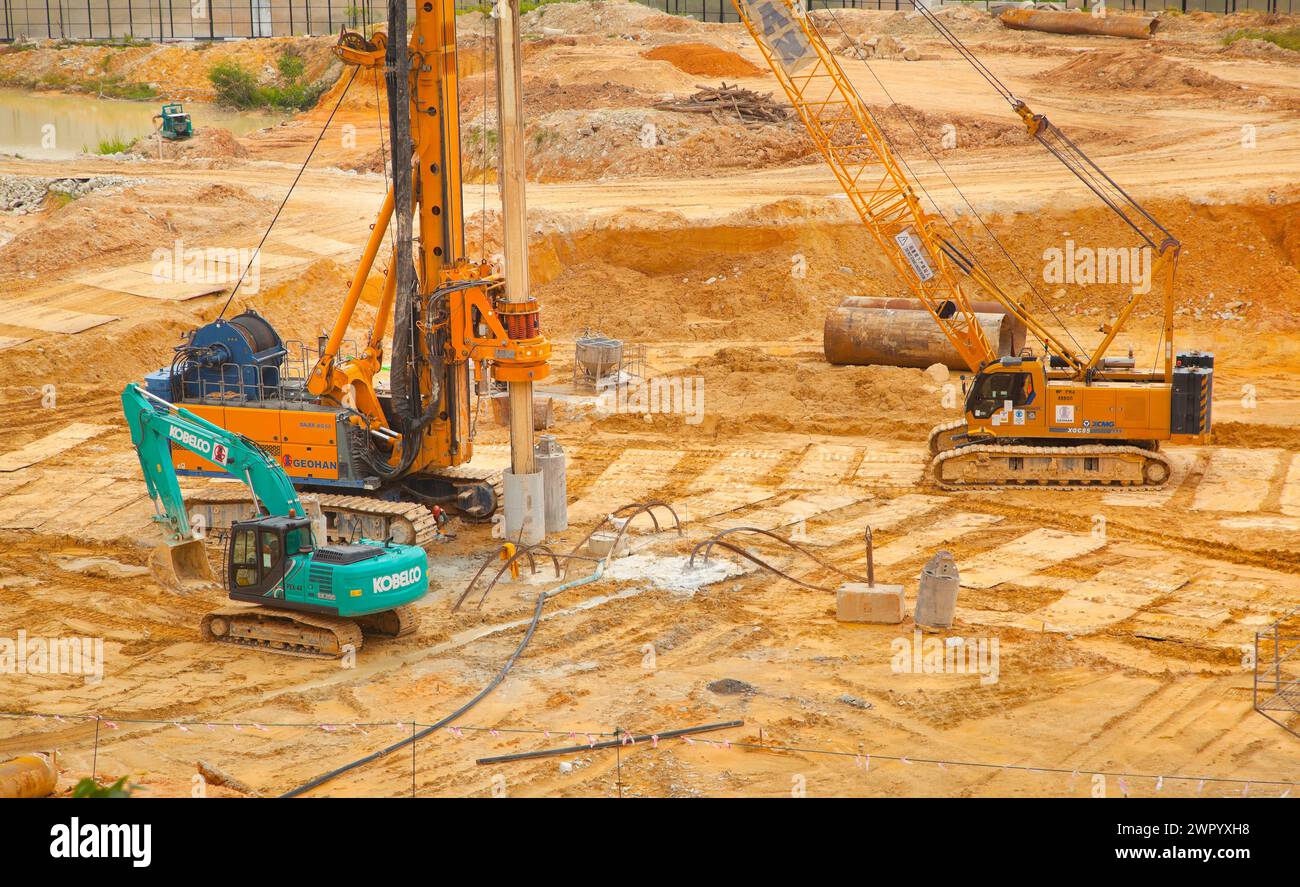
[
  {"x": 908, "y": 303},
  {"x": 1131, "y": 26},
  {"x": 907, "y": 338},
  {"x": 29, "y": 776}
]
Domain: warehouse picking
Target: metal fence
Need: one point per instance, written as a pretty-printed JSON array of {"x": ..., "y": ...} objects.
[
  {"x": 1277, "y": 672},
  {"x": 724, "y": 11},
  {"x": 164, "y": 20}
]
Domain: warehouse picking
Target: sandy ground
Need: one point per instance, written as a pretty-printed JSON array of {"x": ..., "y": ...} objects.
[{"x": 1123, "y": 620}]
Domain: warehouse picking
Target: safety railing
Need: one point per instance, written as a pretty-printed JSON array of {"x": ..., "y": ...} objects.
[
  {"x": 1277, "y": 672},
  {"x": 240, "y": 383}
]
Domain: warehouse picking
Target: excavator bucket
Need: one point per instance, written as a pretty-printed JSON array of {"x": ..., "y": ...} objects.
[{"x": 182, "y": 567}]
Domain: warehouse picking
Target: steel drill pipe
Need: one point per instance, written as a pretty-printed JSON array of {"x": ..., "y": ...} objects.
[
  {"x": 1131, "y": 26},
  {"x": 907, "y": 338}
]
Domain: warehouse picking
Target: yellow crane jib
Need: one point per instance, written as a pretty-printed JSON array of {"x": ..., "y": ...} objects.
[{"x": 1067, "y": 417}]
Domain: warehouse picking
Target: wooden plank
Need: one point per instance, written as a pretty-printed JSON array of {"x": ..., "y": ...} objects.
[
  {"x": 703, "y": 506},
  {"x": 48, "y": 319},
  {"x": 50, "y": 445},
  {"x": 822, "y": 465},
  {"x": 1113, "y": 595},
  {"x": 1237, "y": 479},
  {"x": 1023, "y": 557},
  {"x": 932, "y": 537},
  {"x": 319, "y": 244},
  {"x": 738, "y": 470},
  {"x": 890, "y": 465},
  {"x": 11, "y": 342},
  {"x": 141, "y": 279},
  {"x": 796, "y": 512},
  {"x": 885, "y": 516}
]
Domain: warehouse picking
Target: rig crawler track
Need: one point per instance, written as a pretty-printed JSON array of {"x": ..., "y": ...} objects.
[{"x": 350, "y": 516}]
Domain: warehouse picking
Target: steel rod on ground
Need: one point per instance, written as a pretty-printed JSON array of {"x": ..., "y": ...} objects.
[{"x": 609, "y": 743}]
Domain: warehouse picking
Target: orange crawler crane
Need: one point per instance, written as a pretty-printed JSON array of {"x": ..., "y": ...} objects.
[
  {"x": 1062, "y": 418},
  {"x": 380, "y": 458}
]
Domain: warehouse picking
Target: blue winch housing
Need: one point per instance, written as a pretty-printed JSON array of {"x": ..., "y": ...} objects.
[{"x": 236, "y": 359}]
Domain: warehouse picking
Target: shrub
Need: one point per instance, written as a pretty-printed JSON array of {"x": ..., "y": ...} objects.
[
  {"x": 291, "y": 65},
  {"x": 113, "y": 146},
  {"x": 89, "y": 788},
  {"x": 1287, "y": 39},
  {"x": 236, "y": 87}
]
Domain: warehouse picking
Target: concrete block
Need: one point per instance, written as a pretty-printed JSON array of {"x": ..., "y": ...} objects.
[
  {"x": 936, "y": 597},
  {"x": 603, "y": 540},
  {"x": 859, "y": 602}
]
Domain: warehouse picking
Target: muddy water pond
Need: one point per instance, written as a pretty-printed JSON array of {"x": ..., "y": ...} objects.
[{"x": 56, "y": 126}]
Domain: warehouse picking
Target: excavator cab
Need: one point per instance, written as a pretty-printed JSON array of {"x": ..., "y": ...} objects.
[{"x": 260, "y": 555}]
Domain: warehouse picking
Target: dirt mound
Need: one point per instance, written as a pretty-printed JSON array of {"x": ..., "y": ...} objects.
[
  {"x": 126, "y": 226},
  {"x": 298, "y": 305},
  {"x": 603, "y": 17},
  {"x": 208, "y": 142},
  {"x": 544, "y": 96},
  {"x": 622, "y": 142},
  {"x": 860, "y": 23},
  {"x": 1123, "y": 70},
  {"x": 704, "y": 60},
  {"x": 752, "y": 388},
  {"x": 1254, "y": 48}
]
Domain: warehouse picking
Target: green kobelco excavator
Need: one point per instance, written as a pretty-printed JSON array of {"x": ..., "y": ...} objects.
[{"x": 292, "y": 595}]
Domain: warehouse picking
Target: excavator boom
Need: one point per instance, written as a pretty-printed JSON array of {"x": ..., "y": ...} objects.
[
  {"x": 157, "y": 426},
  {"x": 310, "y": 600}
]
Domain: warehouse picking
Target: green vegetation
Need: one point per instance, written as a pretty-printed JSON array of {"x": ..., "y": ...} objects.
[
  {"x": 524, "y": 6},
  {"x": 113, "y": 146},
  {"x": 236, "y": 86},
  {"x": 1287, "y": 39},
  {"x": 479, "y": 140},
  {"x": 114, "y": 87},
  {"x": 126, "y": 41},
  {"x": 291, "y": 65},
  {"x": 111, "y": 86},
  {"x": 89, "y": 788}
]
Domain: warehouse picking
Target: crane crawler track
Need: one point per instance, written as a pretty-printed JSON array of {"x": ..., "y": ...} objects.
[
  {"x": 941, "y": 435},
  {"x": 286, "y": 632},
  {"x": 1084, "y": 467}
]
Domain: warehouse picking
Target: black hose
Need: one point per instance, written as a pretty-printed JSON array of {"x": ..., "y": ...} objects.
[{"x": 415, "y": 737}]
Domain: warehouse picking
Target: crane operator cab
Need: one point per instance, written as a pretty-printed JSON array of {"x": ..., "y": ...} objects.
[
  {"x": 262, "y": 554},
  {"x": 1008, "y": 399},
  {"x": 998, "y": 386}
]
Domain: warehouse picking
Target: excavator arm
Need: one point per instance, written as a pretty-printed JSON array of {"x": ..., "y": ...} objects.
[{"x": 157, "y": 425}]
